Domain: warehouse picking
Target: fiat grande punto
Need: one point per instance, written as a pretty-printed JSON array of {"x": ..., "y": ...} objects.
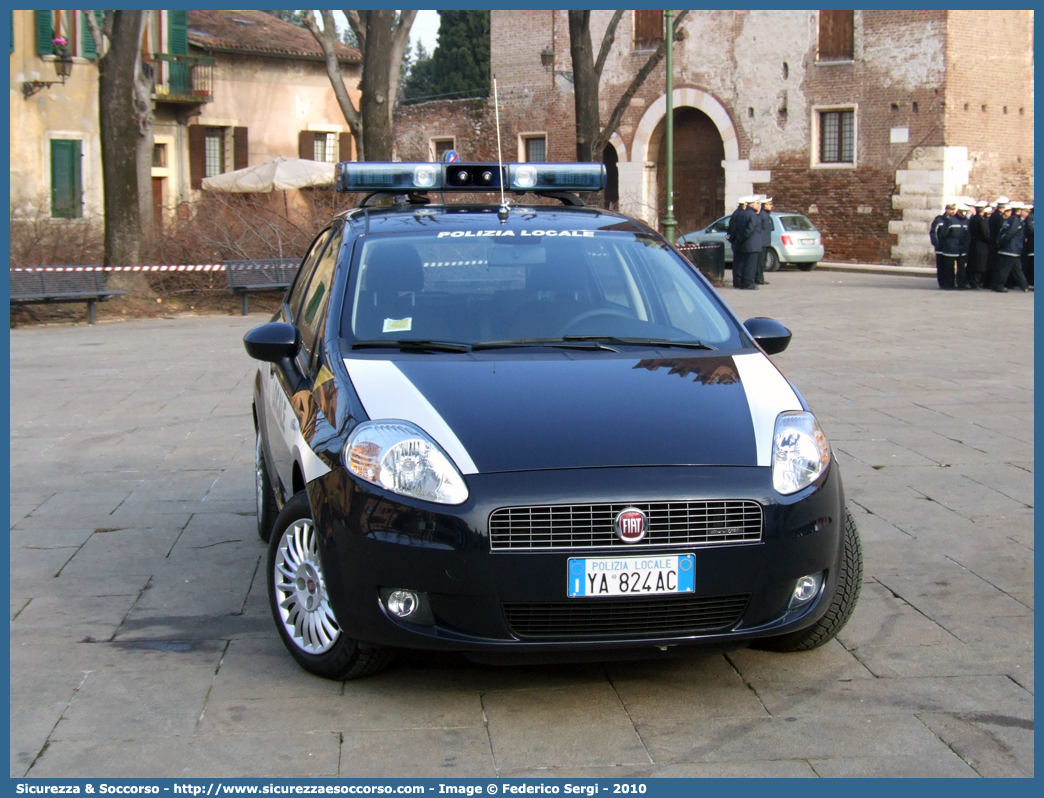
[{"x": 531, "y": 431}]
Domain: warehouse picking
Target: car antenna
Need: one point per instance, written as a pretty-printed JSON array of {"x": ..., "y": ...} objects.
[{"x": 502, "y": 214}]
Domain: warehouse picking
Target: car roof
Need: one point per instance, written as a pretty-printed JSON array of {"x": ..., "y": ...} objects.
[{"x": 438, "y": 218}]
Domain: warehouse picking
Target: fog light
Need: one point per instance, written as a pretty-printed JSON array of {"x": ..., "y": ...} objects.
[
  {"x": 805, "y": 589},
  {"x": 402, "y": 603}
]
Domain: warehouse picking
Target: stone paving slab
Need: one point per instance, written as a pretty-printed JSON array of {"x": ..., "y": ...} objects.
[{"x": 142, "y": 644}]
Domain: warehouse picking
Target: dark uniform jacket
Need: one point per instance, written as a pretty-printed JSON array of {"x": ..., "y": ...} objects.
[
  {"x": 730, "y": 233},
  {"x": 1027, "y": 226},
  {"x": 1010, "y": 237},
  {"x": 747, "y": 238},
  {"x": 978, "y": 238},
  {"x": 936, "y": 233},
  {"x": 765, "y": 227},
  {"x": 953, "y": 238},
  {"x": 995, "y": 222}
]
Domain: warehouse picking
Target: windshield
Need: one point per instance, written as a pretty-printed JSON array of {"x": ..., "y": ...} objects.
[
  {"x": 478, "y": 287},
  {"x": 795, "y": 223}
]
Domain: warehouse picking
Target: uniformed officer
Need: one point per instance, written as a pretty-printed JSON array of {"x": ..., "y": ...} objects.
[
  {"x": 978, "y": 245},
  {"x": 1009, "y": 249},
  {"x": 944, "y": 261},
  {"x": 737, "y": 221},
  {"x": 996, "y": 220},
  {"x": 957, "y": 241},
  {"x": 746, "y": 246},
  {"x": 766, "y": 226}
]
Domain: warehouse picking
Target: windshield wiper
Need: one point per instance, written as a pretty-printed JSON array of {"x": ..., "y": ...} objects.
[
  {"x": 654, "y": 342},
  {"x": 412, "y": 345},
  {"x": 555, "y": 343}
]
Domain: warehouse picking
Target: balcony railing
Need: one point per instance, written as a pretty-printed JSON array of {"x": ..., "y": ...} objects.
[{"x": 180, "y": 78}]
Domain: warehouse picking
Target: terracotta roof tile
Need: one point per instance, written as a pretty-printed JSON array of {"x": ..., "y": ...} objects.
[{"x": 255, "y": 31}]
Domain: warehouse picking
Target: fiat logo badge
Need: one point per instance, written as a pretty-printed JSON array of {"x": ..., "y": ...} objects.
[{"x": 630, "y": 525}]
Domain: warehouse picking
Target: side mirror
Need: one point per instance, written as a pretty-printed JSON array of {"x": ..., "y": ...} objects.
[
  {"x": 769, "y": 334},
  {"x": 274, "y": 342}
]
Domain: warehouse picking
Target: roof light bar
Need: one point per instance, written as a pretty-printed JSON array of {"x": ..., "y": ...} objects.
[
  {"x": 354, "y": 176},
  {"x": 556, "y": 176},
  {"x": 521, "y": 177}
]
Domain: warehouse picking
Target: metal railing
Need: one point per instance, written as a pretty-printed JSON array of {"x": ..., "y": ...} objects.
[{"x": 180, "y": 78}]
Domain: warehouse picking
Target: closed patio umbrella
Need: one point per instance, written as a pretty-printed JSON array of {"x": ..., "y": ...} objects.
[{"x": 280, "y": 173}]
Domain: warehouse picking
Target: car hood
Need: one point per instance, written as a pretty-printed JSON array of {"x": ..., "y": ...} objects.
[{"x": 583, "y": 410}]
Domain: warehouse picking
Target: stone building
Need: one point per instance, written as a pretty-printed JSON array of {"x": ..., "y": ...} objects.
[
  {"x": 867, "y": 121},
  {"x": 230, "y": 89}
]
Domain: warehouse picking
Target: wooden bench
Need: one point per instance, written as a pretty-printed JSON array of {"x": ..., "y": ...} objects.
[
  {"x": 264, "y": 274},
  {"x": 71, "y": 284}
]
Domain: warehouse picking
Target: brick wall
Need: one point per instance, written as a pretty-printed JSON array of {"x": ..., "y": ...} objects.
[
  {"x": 912, "y": 73},
  {"x": 989, "y": 98}
]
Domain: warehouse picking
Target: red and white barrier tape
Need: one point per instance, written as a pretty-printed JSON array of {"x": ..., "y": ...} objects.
[{"x": 209, "y": 267}]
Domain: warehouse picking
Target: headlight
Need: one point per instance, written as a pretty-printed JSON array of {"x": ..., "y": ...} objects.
[
  {"x": 800, "y": 452},
  {"x": 399, "y": 457}
]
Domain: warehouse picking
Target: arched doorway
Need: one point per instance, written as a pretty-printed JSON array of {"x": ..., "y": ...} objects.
[{"x": 699, "y": 177}]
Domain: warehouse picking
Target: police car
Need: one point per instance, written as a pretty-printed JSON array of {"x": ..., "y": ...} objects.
[{"x": 531, "y": 431}]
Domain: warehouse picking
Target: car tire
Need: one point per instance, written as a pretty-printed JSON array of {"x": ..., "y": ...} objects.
[
  {"x": 771, "y": 260},
  {"x": 297, "y": 595},
  {"x": 266, "y": 506},
  {"x": 806, "y": 267},
  {"x": 842, "y": 603}
]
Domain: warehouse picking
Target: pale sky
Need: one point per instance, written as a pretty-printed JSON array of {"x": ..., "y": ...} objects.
[{"x": 425, "y": 28}]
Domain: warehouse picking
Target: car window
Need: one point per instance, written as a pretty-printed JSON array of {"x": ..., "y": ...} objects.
[
  {"x": 720, "y": 226},
  {"x": 304, "y": 274},
  {"x": 473, "y": 288},
  {"x": 317, "y": 296},
  {"x": 796, "y": 223}
]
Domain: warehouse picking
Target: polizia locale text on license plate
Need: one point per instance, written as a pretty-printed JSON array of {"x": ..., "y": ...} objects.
[{"x": 626, "y": 576}]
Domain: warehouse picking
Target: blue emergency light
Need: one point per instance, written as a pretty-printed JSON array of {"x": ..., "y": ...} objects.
[{"x": 421, "y": 177}]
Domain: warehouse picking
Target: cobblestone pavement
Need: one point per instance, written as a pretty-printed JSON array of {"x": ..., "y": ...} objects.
[{"x": 141, "y": 642}]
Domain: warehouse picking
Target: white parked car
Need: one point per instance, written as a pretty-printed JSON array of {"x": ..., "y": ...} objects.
[{"x": 794, "y": 240}]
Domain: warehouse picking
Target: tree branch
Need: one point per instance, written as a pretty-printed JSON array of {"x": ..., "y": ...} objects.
[
  {"x": 625, "y": 100},
  {"x": 327, "y": 38},
  {"x": 607, "y": 42},
  {"x": 358, "y": 28}
]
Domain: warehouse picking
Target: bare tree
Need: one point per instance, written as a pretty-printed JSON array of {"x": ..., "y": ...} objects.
[
  {"x": 382, "y": 36},
  {"x": 591, "y": 135},
  {"x": 125, "y": 119}
]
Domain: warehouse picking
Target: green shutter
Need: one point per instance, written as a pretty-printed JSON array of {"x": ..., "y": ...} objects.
[
  {"x": 177, "y": 25},
  {"x": 43, "y": 33},
  {"x": 90, "y": 50},
  {"x": 66, "y": 182}
]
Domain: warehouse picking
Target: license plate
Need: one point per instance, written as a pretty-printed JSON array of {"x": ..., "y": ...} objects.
[
  {"x": 631, "y": 576},
  {"x": 808, "y": 241}
]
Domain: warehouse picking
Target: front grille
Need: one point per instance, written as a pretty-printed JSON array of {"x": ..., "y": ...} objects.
[
  {"x": 609, "y": 618},
  {"x": 589, "y": 526}
]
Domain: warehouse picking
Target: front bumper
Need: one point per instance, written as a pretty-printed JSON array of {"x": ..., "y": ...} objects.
[{"x": 483, "y": 600}]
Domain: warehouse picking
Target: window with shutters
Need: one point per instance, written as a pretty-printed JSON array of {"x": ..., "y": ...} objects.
[
  {"x": 834, "y": 136},
  {"x": 836, "y": 40},
  {"x": 214, "y": 150},
  {"x": 325, "y": 147},
  {"x": 534, "y": 148},
  {"x": 66, "y": 179},
  {"x": 648, "y": 29},
  {"x": 68, "y": 25},
  {"x": 325, "y": 143}
]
